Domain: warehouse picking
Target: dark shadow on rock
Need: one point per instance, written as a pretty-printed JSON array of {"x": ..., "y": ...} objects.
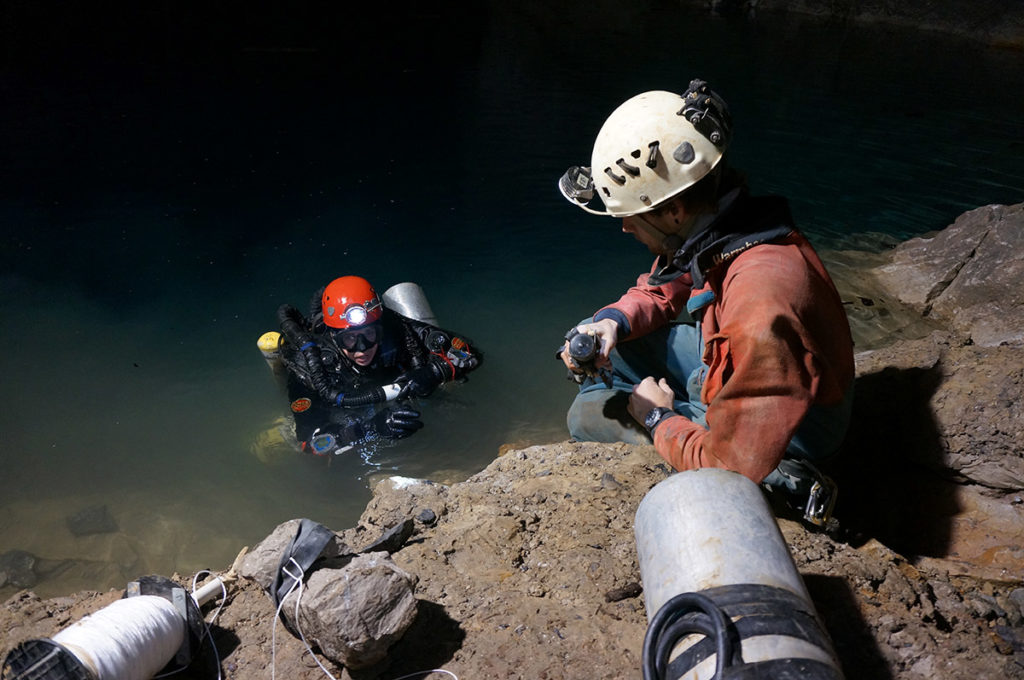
[
  {"x": 431, "y": 641},
  {"x": 204, "y": 664},
  {"x": 890, "y": 488},
  {"x": 852, "y": 639},
  {"x": 617, "y": 408}
]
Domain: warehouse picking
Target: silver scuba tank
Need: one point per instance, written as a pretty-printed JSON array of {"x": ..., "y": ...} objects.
[
  {"x": 719, "y": 581},
  {"x": 409, "y": 300}
]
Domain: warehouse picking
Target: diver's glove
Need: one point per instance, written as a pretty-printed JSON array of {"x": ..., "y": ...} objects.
[
  {"x": 396, "y": 423},
  {"x": 422, "y": 381}
]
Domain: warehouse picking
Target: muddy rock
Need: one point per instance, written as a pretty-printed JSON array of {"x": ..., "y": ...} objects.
[
  {"x": 938, "y": 427},
  {"x": 354, "y": 614},
  {"x": 262, "y": 563},
  {"x": 966, "y": 276}
]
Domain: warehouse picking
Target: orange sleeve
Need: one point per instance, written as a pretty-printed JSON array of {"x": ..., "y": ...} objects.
[{"x": 762, "y": 377}]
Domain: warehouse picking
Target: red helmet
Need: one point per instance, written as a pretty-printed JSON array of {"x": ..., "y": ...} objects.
[{"x": 350, "y": 302}]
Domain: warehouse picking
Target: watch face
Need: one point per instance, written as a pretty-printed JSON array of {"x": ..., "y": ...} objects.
[{"x": 653, "y": 416}]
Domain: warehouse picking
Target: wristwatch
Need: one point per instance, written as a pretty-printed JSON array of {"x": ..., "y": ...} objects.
[
  {"x": 322, "y": 443},
  {"x": 655, "y": 416}
]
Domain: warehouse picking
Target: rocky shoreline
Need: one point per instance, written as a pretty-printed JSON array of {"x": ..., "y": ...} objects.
[
  {"x": 997, "y": 23},
  {"x": 528, "y": 568}
]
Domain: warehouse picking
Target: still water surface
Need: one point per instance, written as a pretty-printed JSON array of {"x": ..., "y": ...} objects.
[{"x": 156, "y": 211}]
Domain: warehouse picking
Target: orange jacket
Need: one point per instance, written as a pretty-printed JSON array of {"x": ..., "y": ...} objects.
[{"x": 776, "y": 341}]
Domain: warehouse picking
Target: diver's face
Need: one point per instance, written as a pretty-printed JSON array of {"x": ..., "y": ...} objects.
[
  {"x": 361, "y": 357},
  {"x": 360, "y": 344}
]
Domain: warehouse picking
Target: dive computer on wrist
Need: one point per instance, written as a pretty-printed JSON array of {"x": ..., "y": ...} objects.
[{"x": 655, "y": 416}]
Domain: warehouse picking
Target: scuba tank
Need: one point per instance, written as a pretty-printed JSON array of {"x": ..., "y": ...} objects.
[
  {"x": 408, "y": 300},
  {"x": 270, "y": 346},
  {"x": 723, "y": 596}
]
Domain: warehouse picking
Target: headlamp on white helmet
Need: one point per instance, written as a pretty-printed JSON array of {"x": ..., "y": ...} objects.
[{"x": 630, "y": 170}]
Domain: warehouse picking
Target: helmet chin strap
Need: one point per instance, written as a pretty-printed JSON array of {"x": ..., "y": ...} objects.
[{"x": 670, "y": 243}]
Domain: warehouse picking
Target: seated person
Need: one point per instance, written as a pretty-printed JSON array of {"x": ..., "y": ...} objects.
[
  {"x": 733, "y": 351},
  {"x": 355, "y": 364}
]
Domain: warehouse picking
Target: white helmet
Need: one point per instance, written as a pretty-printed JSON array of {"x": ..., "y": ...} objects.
[{"x": 651, "y": 148}]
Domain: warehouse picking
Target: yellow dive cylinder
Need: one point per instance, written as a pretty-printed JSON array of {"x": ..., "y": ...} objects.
[{"x": 270, "y": 346}]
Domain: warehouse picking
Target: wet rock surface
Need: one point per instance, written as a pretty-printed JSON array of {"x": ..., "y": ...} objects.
[
  {"x": 95, "y": 519},
  {"x": 529, "y": 569}
]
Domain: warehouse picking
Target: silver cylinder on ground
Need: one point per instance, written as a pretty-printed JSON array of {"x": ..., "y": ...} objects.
[
  {"x": 409, "y": 300},
  {"x": 712, "y": 532}
]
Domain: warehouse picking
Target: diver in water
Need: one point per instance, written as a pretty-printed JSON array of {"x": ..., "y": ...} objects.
[{"x": 354, "y": 365}]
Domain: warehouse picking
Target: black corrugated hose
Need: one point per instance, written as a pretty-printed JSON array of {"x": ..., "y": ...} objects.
[
  {"x": 293, "y": 327},
  {"x": 684, "y": 615}
]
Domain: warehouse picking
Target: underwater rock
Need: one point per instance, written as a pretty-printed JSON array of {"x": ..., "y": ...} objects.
[
  {"x": 95, "y": 519},
  {"x": 17, "y": 569}
]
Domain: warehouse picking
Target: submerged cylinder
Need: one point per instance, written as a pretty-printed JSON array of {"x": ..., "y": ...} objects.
[
  {"x": 708, "y": 545},
  {"x": 409, "y": 300}
]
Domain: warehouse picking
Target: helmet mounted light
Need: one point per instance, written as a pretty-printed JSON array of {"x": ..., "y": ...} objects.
[
  {"x": 349, "y": 302},
  {"x": 651, "y": 148},
  {"x": 577, "y": 184},
  {"x": 356, "y": 315}
]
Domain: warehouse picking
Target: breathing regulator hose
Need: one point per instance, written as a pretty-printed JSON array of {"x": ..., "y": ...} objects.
[
  {"x": 677, "y": 618},
  {"x": 293, "y": 328}
]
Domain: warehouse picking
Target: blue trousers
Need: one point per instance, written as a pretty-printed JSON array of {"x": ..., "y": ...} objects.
[{"x": 675, "y": 353}]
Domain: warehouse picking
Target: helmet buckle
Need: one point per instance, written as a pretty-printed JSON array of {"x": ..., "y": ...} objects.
[
  {"x": 630, "y": 169},
  {"x": 652, "y": 157}
]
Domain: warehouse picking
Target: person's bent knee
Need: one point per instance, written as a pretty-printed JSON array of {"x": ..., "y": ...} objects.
[{"x": 601, "y": 416}]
